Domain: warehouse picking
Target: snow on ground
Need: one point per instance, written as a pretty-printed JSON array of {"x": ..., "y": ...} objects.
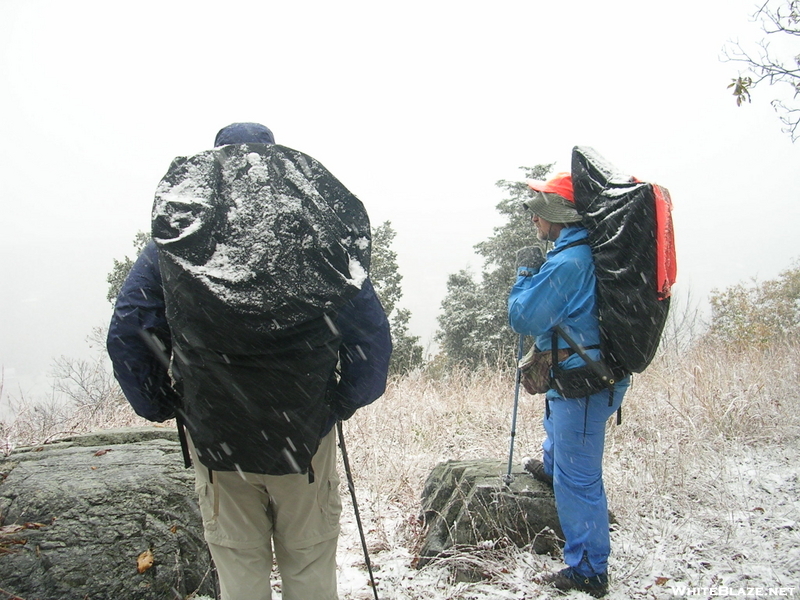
[{"x": 734, "y": 531}]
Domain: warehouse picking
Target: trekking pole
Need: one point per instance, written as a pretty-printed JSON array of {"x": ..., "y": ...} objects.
[
  {"x": 508, "y": 479},
  {"x": 352, "y": 487}
]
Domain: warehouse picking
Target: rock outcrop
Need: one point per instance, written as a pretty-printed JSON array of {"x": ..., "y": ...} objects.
[
  {"x": 465, "y": 503},
  {"x": 78, "y": 514}
]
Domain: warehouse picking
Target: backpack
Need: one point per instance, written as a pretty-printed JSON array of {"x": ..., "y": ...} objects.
[
  {"x": 259, "y": 245},
  {"x": 632, "y": 241}
]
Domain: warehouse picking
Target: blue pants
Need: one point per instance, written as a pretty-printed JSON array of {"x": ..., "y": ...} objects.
[{"x": 573, "y": 455}]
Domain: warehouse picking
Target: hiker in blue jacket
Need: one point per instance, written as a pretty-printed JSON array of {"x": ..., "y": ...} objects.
[
  {"x": 250, "y": 516},
  {"x": 561, "y": 292}
]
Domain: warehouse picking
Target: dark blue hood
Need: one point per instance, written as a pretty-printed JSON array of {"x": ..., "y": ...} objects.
[{"x": 244, "y": 133}]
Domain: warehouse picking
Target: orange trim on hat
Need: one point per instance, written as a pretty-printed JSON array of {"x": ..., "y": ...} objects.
[{"x": 560, "y": 184}]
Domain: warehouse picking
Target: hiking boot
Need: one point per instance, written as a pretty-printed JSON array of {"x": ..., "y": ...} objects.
[
  {"x": 569, "y": 579},
  {"x": 536, "y": 468}
]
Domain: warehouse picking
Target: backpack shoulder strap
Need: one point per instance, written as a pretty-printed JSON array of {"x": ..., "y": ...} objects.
[{"x": 582, "y": 242}]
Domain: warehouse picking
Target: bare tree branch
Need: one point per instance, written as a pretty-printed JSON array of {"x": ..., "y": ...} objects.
[{"x": 781, "y": 20}]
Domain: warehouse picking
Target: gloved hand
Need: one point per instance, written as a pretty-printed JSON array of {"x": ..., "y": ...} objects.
[{"x": 531, "y": 259}]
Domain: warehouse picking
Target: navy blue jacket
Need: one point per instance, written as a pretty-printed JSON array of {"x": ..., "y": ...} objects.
[{"x": 140, "y": 346}]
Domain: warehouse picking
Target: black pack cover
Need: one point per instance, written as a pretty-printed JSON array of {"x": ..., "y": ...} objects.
[
  {"x": 258, "y": 247},
  {"x": 620, "y": 215}
]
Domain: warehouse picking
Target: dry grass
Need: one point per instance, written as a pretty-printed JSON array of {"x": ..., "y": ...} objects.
[
  {"x": 684, "y": 419},
  {"x": 685, "y": 472},
  {"x": 701, "y": 474}
]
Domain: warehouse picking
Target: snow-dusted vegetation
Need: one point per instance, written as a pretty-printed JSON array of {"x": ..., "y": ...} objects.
[{"x": 702, "y": 474}]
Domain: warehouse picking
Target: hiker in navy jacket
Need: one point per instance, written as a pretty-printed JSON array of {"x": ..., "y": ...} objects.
[
  {"x": 139, "y": 335},
  {"x": 561, "y": 292},
  {"x": 249, "y": 517}
]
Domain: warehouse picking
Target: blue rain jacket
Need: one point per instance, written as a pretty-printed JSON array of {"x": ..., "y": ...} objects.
[
  {"x": 561, "y": 293},
  {"x": 140, "y": 345}
]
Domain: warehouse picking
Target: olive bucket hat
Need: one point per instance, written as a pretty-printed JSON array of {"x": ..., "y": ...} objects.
[{"x": 554, "y": 199}]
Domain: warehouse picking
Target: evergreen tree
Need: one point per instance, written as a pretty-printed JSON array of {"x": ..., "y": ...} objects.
[
  {"x": 122, "y": 267},
  {"x": 473, "y": 324},
  {"x": 462, "y": 334},
  {"x": 386, "y": 277}
]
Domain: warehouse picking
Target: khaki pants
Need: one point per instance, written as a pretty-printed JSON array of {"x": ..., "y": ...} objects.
[{"x": 246, "y": 515}]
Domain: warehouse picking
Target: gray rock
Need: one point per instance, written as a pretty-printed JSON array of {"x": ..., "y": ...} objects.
[
  {"x": 77, "y": 513},
  {"x": 465, "y": 503}
]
